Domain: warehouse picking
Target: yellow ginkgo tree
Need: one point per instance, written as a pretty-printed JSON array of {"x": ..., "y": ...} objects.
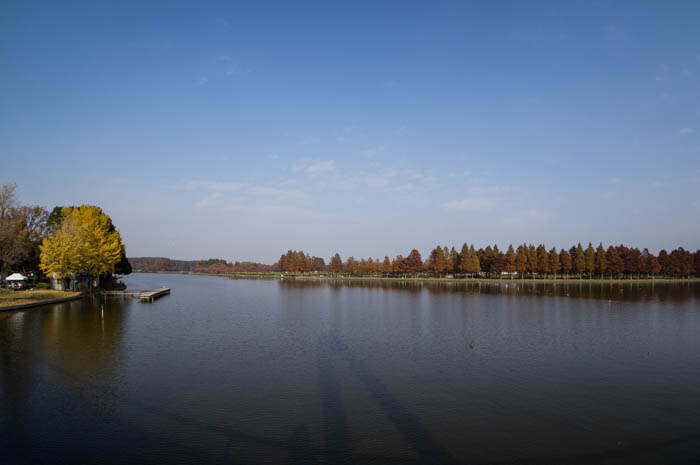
[{"x": 86, "y": 241}]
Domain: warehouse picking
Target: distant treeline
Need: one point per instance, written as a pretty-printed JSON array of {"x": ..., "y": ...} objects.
[
  {"x": 212, "y": 265},
  {"x": 522, "y": 261}
]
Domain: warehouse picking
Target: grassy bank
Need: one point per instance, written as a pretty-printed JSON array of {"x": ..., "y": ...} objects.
[{"x": 12, "y": 298}]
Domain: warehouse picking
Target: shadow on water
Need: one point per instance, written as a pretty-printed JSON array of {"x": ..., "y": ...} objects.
[
  {"x": 335, "y": 422},
  {"x": 298, "y": 448},
  {"x": 426, "y": 446}
]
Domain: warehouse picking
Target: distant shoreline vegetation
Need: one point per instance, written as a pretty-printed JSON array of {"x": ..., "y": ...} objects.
[{"x": 521, "y": 262}]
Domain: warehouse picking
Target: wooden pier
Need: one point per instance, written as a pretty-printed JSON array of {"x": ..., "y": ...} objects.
[
  {"x": 144, "y": 296},
  {"x": 150, "y": 296}
]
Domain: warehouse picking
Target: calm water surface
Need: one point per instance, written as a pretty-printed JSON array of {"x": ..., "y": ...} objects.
[{"x": 236, "y": 371}]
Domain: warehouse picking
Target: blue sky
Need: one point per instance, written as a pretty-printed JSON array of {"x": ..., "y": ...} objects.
[{"x": 240, "y": 130}]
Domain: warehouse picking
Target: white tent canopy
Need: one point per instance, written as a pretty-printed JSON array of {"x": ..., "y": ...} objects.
[{"x": 16, "y": 277}]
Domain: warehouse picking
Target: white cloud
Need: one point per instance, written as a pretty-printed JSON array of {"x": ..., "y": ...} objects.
[
  {"x": 314, "y": 165},
  {"x": 218, "y": 186},
  {"x": 372, "y": 151},
  {"x": 238, "y": 70},
  {"x": 309, "y": 141},
  {"x": 402, "y": 188},
  {"x": 321, "y": 166},
  {"x": 217, "y": 189},
  {"x": 459, "y": 174},
  {"x": 380, "y": 179},
  {"x": 474, "y": 204},
  {"x": 686, "y": 131},
  {"x": 202, "y": 81}
]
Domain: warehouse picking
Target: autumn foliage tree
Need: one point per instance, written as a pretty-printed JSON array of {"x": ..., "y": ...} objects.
[
  {"x": 526, "y": 260},
  {"x": 22, "y": 228},
  {"x": 84, "y": 242}
]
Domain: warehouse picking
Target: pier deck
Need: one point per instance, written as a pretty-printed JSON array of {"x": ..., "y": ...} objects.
[
  {"x": 145, "y": 296},
  {"x": 150, "y": 296}
]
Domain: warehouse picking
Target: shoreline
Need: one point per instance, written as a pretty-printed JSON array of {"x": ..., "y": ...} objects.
[
  {"x": 38, "y": 303},
  {"x": 293, "y": 277}
]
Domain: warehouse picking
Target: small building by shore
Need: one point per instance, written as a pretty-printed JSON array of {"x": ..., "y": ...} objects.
[{"x": 78, "y": 282}]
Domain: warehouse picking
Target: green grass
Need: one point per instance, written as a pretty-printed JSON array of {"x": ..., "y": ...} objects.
[{"x": 11, "y": 298}]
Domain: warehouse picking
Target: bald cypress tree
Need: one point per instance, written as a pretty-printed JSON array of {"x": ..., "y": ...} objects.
[
  {"x": 565, "y": 262},
  {"x": 554, "y": 264},
  {"x": 386, "y": 265},
  {"x": 578, "y": 259},
  {"x": 510, "y": 261},
  {"x": 542, "y": 260},
  {"x": 532, "y": 259},
  {"x": 437, "y": 261},
  {"x": 414, "y": 262},
  {"x": 615, "y": 263},
  {"x": 465, "y": 260},
  {"x": 336, "y": 264},
  {"x": 476, "y": 264},
  {"x": 453, "y": 261},
  {"x": 601, "y": 264},
  {"x": 589, "y": 260},
  {"x": 653, "y": 265},
  {"x": 521, "y": 260}
]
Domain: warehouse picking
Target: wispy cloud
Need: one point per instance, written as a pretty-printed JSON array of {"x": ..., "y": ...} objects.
[
  {"x": 203, "y": 80},
  {"x": 686, "y": 131},
  {"x": 372, "y": 151},
  {"x": 473, "y": 204},
  {"x": 312, "y": 166},
  {"x": 459, "y": 174},
  {"x": 380, "y": 178},
  {"x": 309, "y": 141},
  {"x": 217, "y": 186},
  {"x": 216, "y": 190},
  {"x": 222, "y": 58},
  {"x": 238, "y": 70},
  {"x": 402, "y": 188},
  {"x": 661, "y": 73}
]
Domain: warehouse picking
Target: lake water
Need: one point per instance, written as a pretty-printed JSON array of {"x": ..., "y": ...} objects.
[{"x": 269, "y": 371}]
